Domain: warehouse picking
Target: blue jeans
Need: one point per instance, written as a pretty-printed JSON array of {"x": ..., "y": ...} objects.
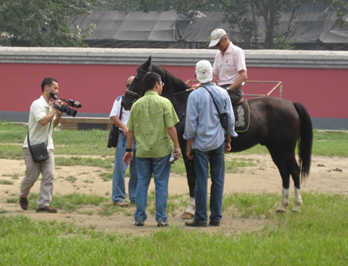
[
  {"x": 160, "y": 168},
  {"x": 118, "y": 178},
  {"x": 217, "y": 174}
]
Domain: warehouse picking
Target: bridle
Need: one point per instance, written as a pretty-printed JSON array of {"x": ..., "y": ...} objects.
[
  {"x": 138, "y": 95},
  {"x": 134, "y": 93}
]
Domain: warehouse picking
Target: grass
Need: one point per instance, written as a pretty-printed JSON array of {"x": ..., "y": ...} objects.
[
  {"x": 5, "y": 182},
  {"x": 316, "y": 236},
  {"x": 68, "y": 145}
]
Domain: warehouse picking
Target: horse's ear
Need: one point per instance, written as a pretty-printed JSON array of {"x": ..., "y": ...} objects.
[{"x": 149, "y": 64}]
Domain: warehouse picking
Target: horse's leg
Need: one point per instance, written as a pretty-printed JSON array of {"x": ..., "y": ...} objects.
[
  {"x": 191, "y": 180},
  {"x": 294, "y": 170},
  {"x": 279, "y": 160}
]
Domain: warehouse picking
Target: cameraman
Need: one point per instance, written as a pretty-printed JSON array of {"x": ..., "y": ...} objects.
[
  {"x": 43, "y": 118},
  {"x": 118, "y": 178}
]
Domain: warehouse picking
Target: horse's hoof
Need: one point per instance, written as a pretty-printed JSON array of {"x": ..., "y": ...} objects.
[
  {"x": 187, "y": 215},
  {"x": 281, "y": 211},
  {"x": 296, "y": 209}
]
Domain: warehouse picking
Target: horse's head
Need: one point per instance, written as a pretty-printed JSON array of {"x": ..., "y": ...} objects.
[{"x": 136, "y": 89}]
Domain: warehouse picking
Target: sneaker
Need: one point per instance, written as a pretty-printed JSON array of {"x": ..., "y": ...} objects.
[
  {"x": 214, "y": 223},
  {"x": 163, "y": 224},
  {"x": 47, "y": 209},
  {"x": 132, "y": 202},
  {"x": 121, "y": 204},
  {"x": 195, "y": 223},
  {"x": 24, "y": 203},
  {"x": 139, "y": 223}
]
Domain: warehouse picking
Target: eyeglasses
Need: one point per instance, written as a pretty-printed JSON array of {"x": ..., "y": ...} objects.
[
  {"x": 127, "y": 85},
  {"x": 161, "y": 83}
]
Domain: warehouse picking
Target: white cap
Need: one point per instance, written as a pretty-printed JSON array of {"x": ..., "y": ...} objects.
[
  {"x": 204, "y": 71},
  {"x": 215, "y": 36}
]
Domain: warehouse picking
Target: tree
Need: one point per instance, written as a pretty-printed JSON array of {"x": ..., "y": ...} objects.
[
  {"x": 246, "y": 15},
  {"x": 43, "y": 23}
]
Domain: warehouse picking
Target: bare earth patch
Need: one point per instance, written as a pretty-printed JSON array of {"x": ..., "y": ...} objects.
[{"x": 328, "y": 175}]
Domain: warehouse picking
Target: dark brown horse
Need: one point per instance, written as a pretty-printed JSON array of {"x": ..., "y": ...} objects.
[{"x": 275, "y": 123}]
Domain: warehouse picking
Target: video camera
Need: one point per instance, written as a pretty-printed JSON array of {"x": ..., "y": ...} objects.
[{"x": 64, "y": 108}]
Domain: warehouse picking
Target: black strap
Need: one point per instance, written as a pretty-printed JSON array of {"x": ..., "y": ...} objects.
[
  {"x": 213, "y": 100},
  {"x": 120, "y": 116},
  {"x": 120, "y": 113}
]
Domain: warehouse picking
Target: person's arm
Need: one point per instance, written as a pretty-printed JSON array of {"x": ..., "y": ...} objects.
[
  {"x": 117, "y": 121},
  {"x": 128, "y": 157},
  {"x": 48, "y": 118},
  {"x": 57, "y": 120},
  {"x": 241, "y": 78},
  {"x": 189, "y": 149},
  {"x": 228, "y": 140},
  {"x": 174, "y": 136}
]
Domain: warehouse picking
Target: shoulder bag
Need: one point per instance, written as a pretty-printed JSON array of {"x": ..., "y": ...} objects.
[
  {"x": 113, "y": 135},
  {"x": 38, "y": 151}
]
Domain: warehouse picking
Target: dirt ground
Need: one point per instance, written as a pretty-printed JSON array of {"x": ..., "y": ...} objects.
[{"x": 328, "y": 175}]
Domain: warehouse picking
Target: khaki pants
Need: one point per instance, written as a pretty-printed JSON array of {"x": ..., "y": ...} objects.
[{"x": 32, "y": 173}]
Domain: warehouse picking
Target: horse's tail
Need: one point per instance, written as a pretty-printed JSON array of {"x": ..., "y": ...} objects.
[{"x": 306, "y": 139}]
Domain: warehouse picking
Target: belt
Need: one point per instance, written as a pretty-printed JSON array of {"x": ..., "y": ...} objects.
[{"x": 225, "y": 86}]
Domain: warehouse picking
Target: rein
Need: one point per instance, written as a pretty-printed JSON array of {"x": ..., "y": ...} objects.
[
  {"x": 190, "y": 89},
  {"x": 177, "y": 93}
]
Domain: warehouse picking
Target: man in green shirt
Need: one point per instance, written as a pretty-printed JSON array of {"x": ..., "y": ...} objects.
[{"x": 152, "y": 123}]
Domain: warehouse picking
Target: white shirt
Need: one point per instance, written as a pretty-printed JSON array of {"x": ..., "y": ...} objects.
[
  {"x": 38, "y": 133},
  {"x": 115, "y": 111}
]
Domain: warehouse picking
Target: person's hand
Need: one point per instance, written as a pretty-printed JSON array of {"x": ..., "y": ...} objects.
[
  {"x": 56, "y": 105},
  {"x": 195, "y": 86},
  {"x": 128, "y": 157},
  {"x": 125, "y": 131},
  {"x": 176, "y": 153},
  {"x": 228, "y": 147},
  {"x": 190, "y": 154}
]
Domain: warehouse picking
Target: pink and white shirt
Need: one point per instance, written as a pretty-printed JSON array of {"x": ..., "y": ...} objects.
[{"x": 228, "y": 65}]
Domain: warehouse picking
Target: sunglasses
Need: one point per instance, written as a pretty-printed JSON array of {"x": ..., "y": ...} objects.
[{"x": 221, "y": 40}]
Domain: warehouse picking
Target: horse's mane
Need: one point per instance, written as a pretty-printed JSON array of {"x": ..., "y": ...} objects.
[{"x": 169, "y": 79}]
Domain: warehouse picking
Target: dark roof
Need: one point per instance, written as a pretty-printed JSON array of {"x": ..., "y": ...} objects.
[{"x": 169, "y": 29}]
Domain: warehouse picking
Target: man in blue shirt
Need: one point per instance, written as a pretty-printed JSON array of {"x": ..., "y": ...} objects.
[{"x": 207, "y": 138}]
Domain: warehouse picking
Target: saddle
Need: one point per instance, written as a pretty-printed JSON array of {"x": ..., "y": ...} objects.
[{"x": 242, "y": 115}]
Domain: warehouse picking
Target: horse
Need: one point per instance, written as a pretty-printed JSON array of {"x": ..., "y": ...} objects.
[{"x": 276, "y": 123}]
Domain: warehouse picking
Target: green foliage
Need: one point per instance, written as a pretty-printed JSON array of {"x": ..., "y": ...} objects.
[
  {"x": 43, "y": 23},
  {"x": 339, "y": 6}
]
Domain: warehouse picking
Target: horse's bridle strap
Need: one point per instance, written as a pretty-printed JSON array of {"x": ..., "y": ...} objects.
[{"x": 132, "y": 93}]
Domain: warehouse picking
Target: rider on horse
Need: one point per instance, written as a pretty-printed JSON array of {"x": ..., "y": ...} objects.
[{"x": 229, "y": 65}]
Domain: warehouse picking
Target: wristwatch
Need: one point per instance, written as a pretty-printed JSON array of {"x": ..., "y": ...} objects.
[
  {"x": 228, "y": 141},
  {"x": 129, "y": 150}
]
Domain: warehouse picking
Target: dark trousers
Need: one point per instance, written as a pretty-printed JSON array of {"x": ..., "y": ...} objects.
[{"x": 236, "y": 95}]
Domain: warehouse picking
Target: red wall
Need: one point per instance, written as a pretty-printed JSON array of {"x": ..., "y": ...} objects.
[{"x": 322, "y": 91}]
